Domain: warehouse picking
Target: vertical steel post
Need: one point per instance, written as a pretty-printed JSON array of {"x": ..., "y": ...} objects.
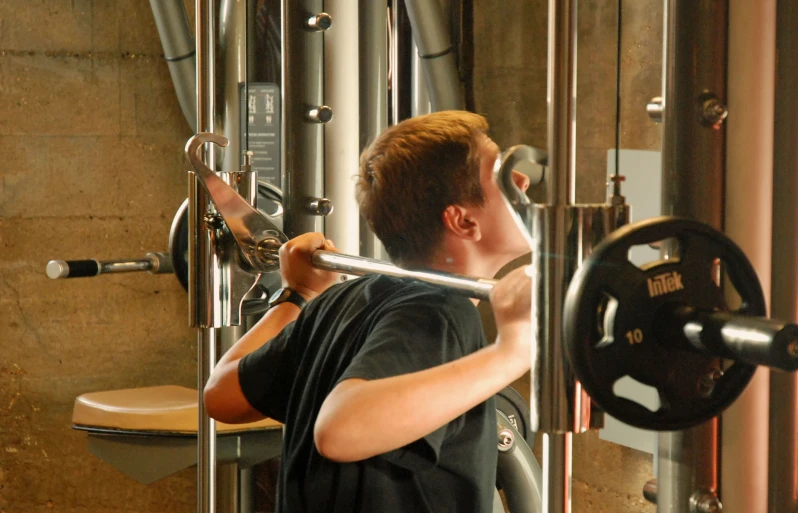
[
  {"x": 692, "y": 166},
  {"x": 373, "y": 51},
  {"x": 557, "y": 445},
  {"x": 342, "y": 133},
  {"x": 561, "y": 118},
  {"x": 205, "y": 35},
  {"x": 302, "y": 144},
  {"x": 748, "y": 221},
  {"x": 401, "y": 46},
  {"x": 233, "y": 49},
  {"x": 783, "y": 451}
]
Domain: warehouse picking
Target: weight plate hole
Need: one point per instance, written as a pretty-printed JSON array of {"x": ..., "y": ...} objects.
[
  {"x": 640, "y": 393},
  {"x": 731, "y": 296},
  {"x": 645, "y": 255},
  {"x": 605, "y": 320}
]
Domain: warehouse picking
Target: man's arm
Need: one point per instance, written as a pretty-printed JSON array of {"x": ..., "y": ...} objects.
[
  {"x": 224, "y": 399},
  {"x": 223, "y": 396},
  {"x": 360, "y": 419}
]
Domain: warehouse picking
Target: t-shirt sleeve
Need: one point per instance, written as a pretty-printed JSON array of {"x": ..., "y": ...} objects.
[
  {"x": 266, "y": 377},
  {"x": 409, "y": 339}
]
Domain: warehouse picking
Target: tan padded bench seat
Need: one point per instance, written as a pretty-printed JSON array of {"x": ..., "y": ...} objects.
[{"x": 171, "y": 409}]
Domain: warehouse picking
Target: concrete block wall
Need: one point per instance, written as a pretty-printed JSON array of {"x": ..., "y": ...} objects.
[{"x": 92, "y": 136}]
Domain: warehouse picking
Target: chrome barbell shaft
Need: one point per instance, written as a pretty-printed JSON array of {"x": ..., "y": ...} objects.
[{"x": 478, "y": 288}]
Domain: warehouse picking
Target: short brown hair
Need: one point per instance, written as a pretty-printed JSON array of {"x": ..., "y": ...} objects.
[{"x": 412, "y": 172}]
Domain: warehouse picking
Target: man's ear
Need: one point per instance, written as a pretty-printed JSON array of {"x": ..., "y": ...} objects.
[{"x": 459, "y": 222}]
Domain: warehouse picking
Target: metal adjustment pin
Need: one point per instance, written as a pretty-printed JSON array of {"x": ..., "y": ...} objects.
[
  {"x": 708, "y": 382},
  {"x": 320, "y": 114},
  {"x": 320, "y": 207},
  {"x": 246, "y": 167},
  {"x": 320, "y": 22},
  {"x": 617, "y": 197},
  {"x": 506, "y": 440},
  {"x": 655, "y": 108},
  {"x": 713, "y": 111},
  {"x": 650, "y": 491},
  {"x": 705, "y": 501}
]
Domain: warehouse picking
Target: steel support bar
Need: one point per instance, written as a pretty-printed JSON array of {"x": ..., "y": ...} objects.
[
  {"x": 341, "y": 134},
  {"x": 550, "y": 233},
  {"x": 233, "y": 49},
  {"x": 401, "y": 46},
  {"x": 783, "y": 445},
  {"x": 206, "y": 434},
  {"x": 373, "y": 50},
  {"x": 561, "y": 122},
  {"x": 205, "y": 33},
  {"x": 302, "y": 91},
  {"x": 557, "y": 471},
  {"x": 748, "y": 222},
  {"x": 693, "y": 148}
]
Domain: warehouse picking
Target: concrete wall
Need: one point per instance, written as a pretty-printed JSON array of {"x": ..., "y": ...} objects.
[{"x": 92, "y": 137}]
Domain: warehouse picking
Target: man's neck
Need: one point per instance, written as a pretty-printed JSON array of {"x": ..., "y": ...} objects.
[{"x": 467, "y": 263}]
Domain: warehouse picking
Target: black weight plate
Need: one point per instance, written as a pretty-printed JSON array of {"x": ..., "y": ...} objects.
[
  {"x": 269, "y": 200},
  {"x": 626, "y": 342},
  {"x": 516, "y": 409}
]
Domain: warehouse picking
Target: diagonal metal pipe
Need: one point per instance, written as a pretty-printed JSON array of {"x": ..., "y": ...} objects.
[
  {"x": 179, "y": 50},
  {"x": 431, "y": 35}
]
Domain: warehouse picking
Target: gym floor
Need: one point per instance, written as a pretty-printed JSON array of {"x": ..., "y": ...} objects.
[{"x": 92, "y": 139}]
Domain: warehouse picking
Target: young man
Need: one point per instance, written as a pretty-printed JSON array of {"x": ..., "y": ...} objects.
[{"x": 386, "y": 385}]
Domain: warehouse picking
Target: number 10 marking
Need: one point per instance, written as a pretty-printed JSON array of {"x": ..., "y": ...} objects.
[{"x": 634, "y": 336}]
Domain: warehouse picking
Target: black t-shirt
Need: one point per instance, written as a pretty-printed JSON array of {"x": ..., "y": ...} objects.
[{"x": 370, "y": 328}]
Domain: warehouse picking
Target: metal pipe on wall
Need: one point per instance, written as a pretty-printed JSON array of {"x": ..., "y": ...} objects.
[
  {"x": 373, "y": 49},
  {"x": 434, "y": 43},
  {"x": 419, "y": 94},
  {"x": 748, "y": 221},
  {"x": 302, "y": 77},
  {"x": 342, "y": 133},
  {"x": 692, "y": 167},
  {"x": 178, "y": 48},
  {"x": 783, "y": 441}
]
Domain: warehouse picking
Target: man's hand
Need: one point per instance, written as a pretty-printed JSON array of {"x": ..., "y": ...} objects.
[
  {"x": 511, "y": 300},
  {"x": 297, "y": 270}
]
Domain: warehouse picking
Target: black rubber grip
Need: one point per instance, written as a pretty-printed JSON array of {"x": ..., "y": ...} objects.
[{"x": 82, "y": 268}]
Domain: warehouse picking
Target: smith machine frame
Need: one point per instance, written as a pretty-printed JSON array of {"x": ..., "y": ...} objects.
[
  {"x": 698, "y": 164},
  {"x": 719, "y": 60}
]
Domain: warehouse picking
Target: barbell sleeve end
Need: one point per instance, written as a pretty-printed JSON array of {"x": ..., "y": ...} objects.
[{"x": 58, "y": 269}]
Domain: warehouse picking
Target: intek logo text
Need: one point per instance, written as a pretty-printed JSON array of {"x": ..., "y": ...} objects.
[{"x": 664, "y": 284}]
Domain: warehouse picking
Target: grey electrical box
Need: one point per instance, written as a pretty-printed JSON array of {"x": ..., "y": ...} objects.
[{"x": 643, "y": 190}]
